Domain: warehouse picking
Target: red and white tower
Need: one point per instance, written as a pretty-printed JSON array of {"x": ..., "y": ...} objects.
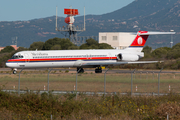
[
  {"x": 70, "y": 28},
  {"x": 70, "y": 15}
]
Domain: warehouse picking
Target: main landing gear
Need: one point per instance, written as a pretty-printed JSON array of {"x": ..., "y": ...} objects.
[
  {"x": 14, "y": 71},
  {"x": 80, "y": 70},
  {"x": 98, "y": 70}
]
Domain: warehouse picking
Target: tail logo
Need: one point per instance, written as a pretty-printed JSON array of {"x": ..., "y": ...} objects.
[{"x": 140, "y": 41}]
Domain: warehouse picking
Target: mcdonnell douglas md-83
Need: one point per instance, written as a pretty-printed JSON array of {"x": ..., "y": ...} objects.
[{"x": 83, "y": 58}]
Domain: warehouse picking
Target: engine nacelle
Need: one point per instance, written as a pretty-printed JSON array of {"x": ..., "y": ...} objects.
[{"x": 127, "y": 57}]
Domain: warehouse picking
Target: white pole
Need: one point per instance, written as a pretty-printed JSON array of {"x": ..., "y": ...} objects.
[
  {"x": 84, "y": 20},
  {"x": 171, "y": 38},
  {"x": 44, "y": 87},
  {"x": 51, "y": 117},
  {"x": 56, "y": 18}
]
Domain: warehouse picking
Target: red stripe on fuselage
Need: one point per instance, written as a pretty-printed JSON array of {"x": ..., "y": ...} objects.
[{"x": 61, "y": 59}]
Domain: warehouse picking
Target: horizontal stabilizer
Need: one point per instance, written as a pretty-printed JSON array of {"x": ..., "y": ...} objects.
[{"x": 156, "y": 33}]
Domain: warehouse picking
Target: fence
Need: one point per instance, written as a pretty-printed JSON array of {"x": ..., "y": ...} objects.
[{"x": 116, "y": 81}]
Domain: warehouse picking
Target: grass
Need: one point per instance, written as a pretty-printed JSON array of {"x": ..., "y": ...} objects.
[
  {"x": 35, "y": 106},
  {"x": 92, "y": 82}
]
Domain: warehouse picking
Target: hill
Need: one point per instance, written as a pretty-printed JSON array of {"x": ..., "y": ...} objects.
[{"x": 153, "y": 15}]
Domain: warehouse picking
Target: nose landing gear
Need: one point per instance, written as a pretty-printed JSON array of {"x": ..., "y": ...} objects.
[{"x": 14, "y": 71}]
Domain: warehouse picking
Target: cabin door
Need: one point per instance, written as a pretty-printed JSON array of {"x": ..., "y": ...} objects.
[{"x": 26, "y": 57}]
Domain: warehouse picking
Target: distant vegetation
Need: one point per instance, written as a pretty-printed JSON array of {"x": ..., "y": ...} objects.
[
  {"x": 35, "y": 106},
  {"x": 169, "y": 56}
]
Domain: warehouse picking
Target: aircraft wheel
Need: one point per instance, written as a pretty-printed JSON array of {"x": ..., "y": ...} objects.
[
  {"x": 98, "y": 70},
  {"x": 14, "y": 71}
]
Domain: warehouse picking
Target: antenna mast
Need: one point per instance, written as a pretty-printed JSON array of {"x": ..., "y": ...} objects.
[
  {"x": 56, "y": 19},
  {"x": 84, "y": 20},
  {"x": 71, "y": 29}
]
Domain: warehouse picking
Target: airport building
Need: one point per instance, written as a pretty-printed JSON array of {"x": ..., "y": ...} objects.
[{"x": 118, "y": 40}]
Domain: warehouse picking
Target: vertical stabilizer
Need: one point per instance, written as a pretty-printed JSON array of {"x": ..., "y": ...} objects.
[
  {"x": 141, "y": 38},
  {"x": 139, "y": 42}
]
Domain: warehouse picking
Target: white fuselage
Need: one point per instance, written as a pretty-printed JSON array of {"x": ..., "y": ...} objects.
[{"x": 67, "y": 58}]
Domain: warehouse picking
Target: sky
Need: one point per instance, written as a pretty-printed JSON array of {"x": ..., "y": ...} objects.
[{"x": 24, "y": 10}]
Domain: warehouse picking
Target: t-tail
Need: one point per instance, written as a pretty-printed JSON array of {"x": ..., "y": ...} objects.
[{"x": 141, "y": 38}]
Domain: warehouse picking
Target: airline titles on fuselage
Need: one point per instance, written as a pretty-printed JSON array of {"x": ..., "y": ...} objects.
[
  {"x": 39, "y": 54},
  {"x": 45, "y": 55}
]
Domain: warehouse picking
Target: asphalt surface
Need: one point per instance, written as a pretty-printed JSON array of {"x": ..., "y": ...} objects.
[{"x": 92, "y": 70}]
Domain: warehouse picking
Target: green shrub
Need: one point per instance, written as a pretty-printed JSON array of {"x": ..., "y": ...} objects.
[{"x": 66, "y": 71}]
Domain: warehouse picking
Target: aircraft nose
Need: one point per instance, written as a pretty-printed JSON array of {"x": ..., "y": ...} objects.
[{"x": 7, "y": 64}]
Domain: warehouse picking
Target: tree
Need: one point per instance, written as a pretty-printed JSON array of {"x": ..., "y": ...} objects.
[
  {"x": 36, "y": 45},
  {"x": 91, "y": 41},
  {"x": 50, "y": 43},
  {"x": 7, "y": 49},
  {"x": 93, "y": 44},
  {"x": 104, "y": 46},
  {"x": 56, "y": 47},
  {"x": 174, "y": 53},
  {"x": 177, "y": 46},
  {"x": 84, "y": 46},
  {"x": 21, "y": 49},
  {"x": 64, "y": 43},
  {"x": 74, "y": 47},
  {"x": 90, "y": 44},
  {"x": 147, "y": 50},
  {"x": 160, "y": 52}
]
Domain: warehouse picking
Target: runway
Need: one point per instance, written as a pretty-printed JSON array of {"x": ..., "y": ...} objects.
[{"x": 73, "y": 70}]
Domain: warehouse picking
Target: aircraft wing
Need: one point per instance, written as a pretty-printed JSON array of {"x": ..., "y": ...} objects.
[{"x": 116, "y": 63}]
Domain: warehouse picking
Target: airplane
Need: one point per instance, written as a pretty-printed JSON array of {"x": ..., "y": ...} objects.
[{"x": 83, "y": 58}]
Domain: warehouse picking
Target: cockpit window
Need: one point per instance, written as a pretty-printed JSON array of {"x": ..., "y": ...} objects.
[{"x": 17, "y": 56}]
